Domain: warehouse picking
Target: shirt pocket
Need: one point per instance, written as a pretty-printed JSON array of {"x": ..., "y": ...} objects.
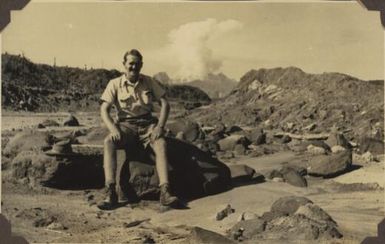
[{"x": 147, "y": 97}]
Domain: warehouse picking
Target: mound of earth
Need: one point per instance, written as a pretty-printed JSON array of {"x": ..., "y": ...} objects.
[{"x": 291, "y": 100}]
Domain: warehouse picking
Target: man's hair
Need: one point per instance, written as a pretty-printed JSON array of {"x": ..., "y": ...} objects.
[{"x": 133, "y": 52}]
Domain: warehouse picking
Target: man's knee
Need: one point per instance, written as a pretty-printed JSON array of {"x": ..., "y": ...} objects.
[{"x": 108, "y": 141}]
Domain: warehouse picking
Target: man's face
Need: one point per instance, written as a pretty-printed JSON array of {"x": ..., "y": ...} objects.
[{"x": 133, "y": 65}]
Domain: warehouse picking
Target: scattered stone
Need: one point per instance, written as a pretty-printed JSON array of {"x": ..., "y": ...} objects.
[
  {"x": 310, "y": 127},
  {"x": 364, "y": 158},
  {"x": 48, "y": 123},
  {"x": 315, "y": 150},
  {"x": 134, "y": 223},
  {"x": 45, "y": 221},
  {"x": 330, "y": 165},
  {"x": 200, "y": 235},
  {"x": 239, "y": 150},
  {"x": 71, "y": 121},
  {"x": 56, "y": 226},
  {"x": 241, "y": 173},
  {"x": 233, "y": 129},
  {"x": 180, "y": 136},
  {"x": 289, "y": 204},
  {"x": 285, "y": 139},
  {"x": 224, "y": 212},
  {"x": 247, "y": 216},
  {"x": 274, "y": 174},
  {"x": 375, "y": 146},
  {"x": 337, "y": 139},
  {"x": 340, "y": 187},
  {"x": 278, "y": 179},
  {"x": 249, "y": 228},
  {"x": 229, "y": 143},
  {"x": 257, "y": 136},
  {"x": 292, "y": 177},
  {"x": 337, "y": 148}
]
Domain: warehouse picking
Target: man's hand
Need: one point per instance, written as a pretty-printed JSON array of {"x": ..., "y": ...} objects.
[
  {"x": 116, "y": 135},
  {"x": 157, "y": 133}
]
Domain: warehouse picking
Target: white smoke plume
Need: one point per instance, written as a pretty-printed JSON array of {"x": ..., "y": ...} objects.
[{"x": 191, "y": 50}]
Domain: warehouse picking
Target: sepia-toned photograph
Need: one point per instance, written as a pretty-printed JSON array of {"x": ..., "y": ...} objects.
[{"x": 192, "y": 122}]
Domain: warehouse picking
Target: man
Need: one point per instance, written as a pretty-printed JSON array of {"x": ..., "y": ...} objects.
[{"x": 133, "y": 95}]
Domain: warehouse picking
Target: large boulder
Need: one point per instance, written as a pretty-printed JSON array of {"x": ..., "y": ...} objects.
[
  {"x": 330, "y": 165},
  {"x": 35, "y": 168},
  {"x": 193, "y": 172},
  {"x": 299, "y": 227},
  {"x": 28, "y": 140}
]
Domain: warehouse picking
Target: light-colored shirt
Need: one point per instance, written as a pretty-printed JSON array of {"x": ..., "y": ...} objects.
[{"x": 132, "y": 100}]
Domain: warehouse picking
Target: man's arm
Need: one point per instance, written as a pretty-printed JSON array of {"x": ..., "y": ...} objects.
[
  {"x": 164, "y": 111},
  {"x": 106, "y": 117}
]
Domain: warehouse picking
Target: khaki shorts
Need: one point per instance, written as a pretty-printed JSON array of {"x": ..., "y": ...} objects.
[{"x": 132, "y": 132}]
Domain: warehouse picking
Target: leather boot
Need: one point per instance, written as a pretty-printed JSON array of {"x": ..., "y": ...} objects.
[
  {"x": 166, "y": 198},
  {"x": 111, "y": 200}
]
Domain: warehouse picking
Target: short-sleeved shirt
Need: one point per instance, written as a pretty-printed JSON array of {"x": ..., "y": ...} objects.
[{"x": 133, "y": 100}]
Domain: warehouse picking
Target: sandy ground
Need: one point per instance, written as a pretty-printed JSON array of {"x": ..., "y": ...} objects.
[{"x": 357, "y": 212}]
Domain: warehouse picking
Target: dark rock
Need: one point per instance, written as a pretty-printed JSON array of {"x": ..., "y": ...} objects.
[
  {"x": 193, "y": 172},
  {"x": 316, "y": 213},
  {"x": 48, "y": 123},
  {"x": 71, "y": 121},
  {"x": 292, "y": 177},
  {"x": 249, "y": 228},
  {"x": 337, "y": 139},
  {"x": 229, "y": 143},
  {"x": 274, "y": 174},
  {"x": 241, "y": 173},
  {"x": 190, "y": 129},
  {"x": 288, "y": 205},
  {"x": 330, "y": 165},
  {"x": 375, "y": 146},
  {"x": 257, "y": 136},
  {"x": 268, "y": 216},
  {"x": 200, "y": 235},
  {"x": 239, "y": 149},
  {"x": 233, "y": 129},
  {"x": 285, "y": 139},
  {"x": 223, "y": 213}
]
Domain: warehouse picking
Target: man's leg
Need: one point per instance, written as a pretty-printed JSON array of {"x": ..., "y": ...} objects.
[
  {"x": 159, "y": 147},
  {"x": 109, "y": 166}
]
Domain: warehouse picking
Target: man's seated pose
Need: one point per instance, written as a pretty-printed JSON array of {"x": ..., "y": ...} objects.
[{"x": 133, "y": 95}]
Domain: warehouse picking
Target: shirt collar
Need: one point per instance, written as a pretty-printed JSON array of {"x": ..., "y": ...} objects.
[{"x": 125, "y": 82}]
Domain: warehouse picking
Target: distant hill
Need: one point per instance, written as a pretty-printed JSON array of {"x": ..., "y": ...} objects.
[
  {"x": 276, "y": 98},
  {"x": 50, "y": 88},
  {"x": 215, "y": 85}
]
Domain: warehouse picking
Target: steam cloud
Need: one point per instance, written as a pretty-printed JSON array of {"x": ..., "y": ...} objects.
[{"x": 190, "y": 49}]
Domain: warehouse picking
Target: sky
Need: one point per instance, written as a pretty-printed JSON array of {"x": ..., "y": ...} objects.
[{"x": 190, "y": 39}]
